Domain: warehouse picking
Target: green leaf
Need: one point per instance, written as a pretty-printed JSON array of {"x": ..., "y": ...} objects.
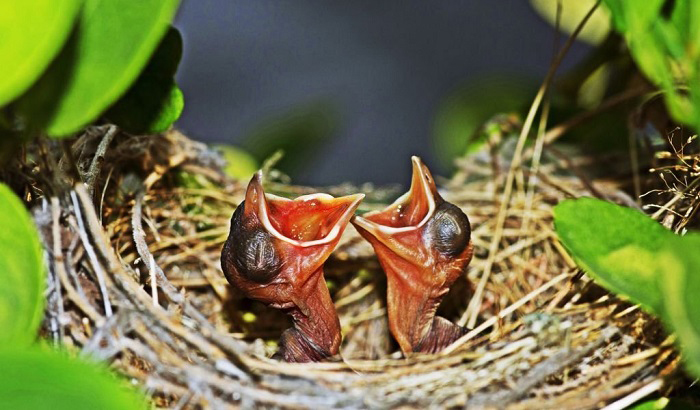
[
  {"x": 619, "y": 247},
  {"x": 635, "y": 257},
  {"x": 633, "y": 16},
  {"x": 651, "y": 59},
  {"x": 641, "y": 14},
  {"x": 681, "y": 290},
  {"x": 22, "y": 273},
  {"x": 147, "y": 111},
  {"x": 617, "y": 14},
  {"x": 592, "y": 90},
  {"x": 239, "y": 163},
  {"x": 462, "y": 114},
  {"x": 665, "y": 45},
  {"x": 154, "y": 102},
  {"x": 111, "y": 45},
  {"x": 44, "y": 379},
  {"x": 32, "y": 32},
  {"x": 664, "y": 403}
]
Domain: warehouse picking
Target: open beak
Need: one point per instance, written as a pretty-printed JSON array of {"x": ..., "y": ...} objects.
[
  {"x": 423, "y": 244},
  {"x": 306, "y": 221},
  {"x": 397, "y": 226},
  {"x": 275, "y": 254}
]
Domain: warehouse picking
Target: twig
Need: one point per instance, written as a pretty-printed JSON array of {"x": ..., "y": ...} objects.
[
  {"x": 97, "y": 266},
  {"x": 59, "y": 264},
  {"x": 72, "y": 164},
  {"x": 472, "y": 312},
  {"x": 634, "y": 397},
  {"x": 142, "y": 248},
  {"x": 94, "y": 347},
  {"x": 58, "y": 258},
  {"x": 154, "y": 283},
  {"x": 104, "y": 191},
  {"x": 179, "y": 356},
  {"x": 676, "y": 198},
  {"x": 539, "y": 143},
  {"x": 98, "y": 159},
  {"x": 576, "y": 171},
  {"x": 55, "y": 308},
  {"x": 539, "y": 373},
  {"x": 137, "y": 295},
  {"x": 558, "y": 131},
  {"x": 503, "y": 313}
]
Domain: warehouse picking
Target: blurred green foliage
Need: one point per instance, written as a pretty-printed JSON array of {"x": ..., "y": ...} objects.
[
  {"x": 635, "y": 257},
  {"x": 108, "y": 45},
  {"x": 664, "y": 403},
  {"x": 665, "y": 44},
  {"x": 44, "y": 379},
  {"x": 571, "y": 14},
  {"x": 299, "y": 134},
  {"x": 33, "y": 376},
  {"x": 239, "y": 163},
  {"x": 33, "y": 32},
  {"x": 22, "y": 273},
  {"x": 459, "y": 119}
]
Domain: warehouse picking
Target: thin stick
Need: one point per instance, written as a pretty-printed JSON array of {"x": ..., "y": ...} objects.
[
  {"x": 104, "y": 191},
  {"x": 635, "y": 396},
  {"x": 675, "y": 199},
  {"x": 142, "y": 249},
  {"x": 470, "y": 315},
  {"x": 109, "y": 332},
  {"x": 539, "y": 142},
  {"x": 59, "y": 263},
  {"x": 72, "y": 165},
  {"x": 532, "y": 180},
  {"x": 154, "y": 285},
  {"x": 92, "y": 255},
  {"x": 503, "y": 313},
  {"x": 557, "y": 131},
  {"x": 99, "y": 158}
]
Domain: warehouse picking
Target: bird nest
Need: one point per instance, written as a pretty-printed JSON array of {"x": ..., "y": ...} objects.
[{"x": 135, "y": 281}]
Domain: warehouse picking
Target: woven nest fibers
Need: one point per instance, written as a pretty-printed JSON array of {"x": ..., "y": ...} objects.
[{"x": 135, "y": 281}]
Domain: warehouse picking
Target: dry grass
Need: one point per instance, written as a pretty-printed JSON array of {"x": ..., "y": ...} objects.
[{"x": 135, "y": 281}]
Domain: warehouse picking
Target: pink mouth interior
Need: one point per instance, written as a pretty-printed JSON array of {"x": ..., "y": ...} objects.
[
  {"x": 409, "y": 213},
  {"x": 306, "y": 220}
]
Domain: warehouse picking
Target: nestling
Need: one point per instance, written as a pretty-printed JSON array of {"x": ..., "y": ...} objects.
[
  {"x": 423, "y": 244},
  {"x": 275, "y": 254}
]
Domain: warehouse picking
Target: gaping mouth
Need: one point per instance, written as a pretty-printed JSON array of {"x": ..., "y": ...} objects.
[
  {"x": 410, "y": 211},
  {"x": 308, "y": 220}
]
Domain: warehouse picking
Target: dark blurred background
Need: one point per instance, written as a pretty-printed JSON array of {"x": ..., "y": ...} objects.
[{"x": 351, "y": 89}]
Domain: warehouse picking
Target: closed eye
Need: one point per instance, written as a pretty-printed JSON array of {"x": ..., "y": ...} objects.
[
  {"x": 254, "y": 254},
  {"x": 449, "y": 230}
]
